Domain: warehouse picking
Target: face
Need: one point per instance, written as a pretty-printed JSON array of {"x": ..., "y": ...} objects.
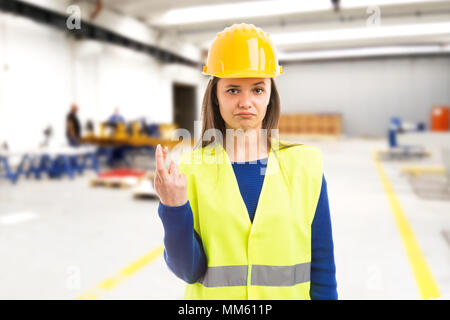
[{"x": 243, "y": 101}]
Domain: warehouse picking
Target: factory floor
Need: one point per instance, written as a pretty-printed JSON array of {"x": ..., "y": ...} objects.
[{"x": 62, "y": 239}]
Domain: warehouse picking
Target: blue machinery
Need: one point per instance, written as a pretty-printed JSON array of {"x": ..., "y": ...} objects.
[
  {"x": 397, "y": 126},
  {"x": 54, "y": 165}
]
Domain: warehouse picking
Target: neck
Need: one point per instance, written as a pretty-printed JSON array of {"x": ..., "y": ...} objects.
[{"x": 249, "y": 145}]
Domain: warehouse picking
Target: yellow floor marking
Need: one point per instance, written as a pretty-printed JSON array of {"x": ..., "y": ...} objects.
[
  {"x": 90, "y": 295},
  {"x": 417, "y": 170},
  {"x": 426, "y": 284},
  {"x": 113, "y": 281}
]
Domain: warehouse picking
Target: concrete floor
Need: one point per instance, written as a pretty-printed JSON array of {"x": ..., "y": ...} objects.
[{"x": 74, "y": 237}]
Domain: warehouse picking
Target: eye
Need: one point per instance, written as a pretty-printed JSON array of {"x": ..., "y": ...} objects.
[
  {"x": 259, "y": 92},
  {"x": 232, "y": 89}
]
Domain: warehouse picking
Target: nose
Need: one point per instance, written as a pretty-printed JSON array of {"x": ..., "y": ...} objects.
[{"x": 245, "y": 101}]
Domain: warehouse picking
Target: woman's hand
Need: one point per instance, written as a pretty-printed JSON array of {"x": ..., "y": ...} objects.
[{"x": 170, "y": 185}]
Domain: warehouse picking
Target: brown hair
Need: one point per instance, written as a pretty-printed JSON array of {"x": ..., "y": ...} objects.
[{"x": 211, "y": 118}]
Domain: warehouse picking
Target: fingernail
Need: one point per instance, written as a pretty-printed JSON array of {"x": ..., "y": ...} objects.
[{"x": 158, "y": 146}]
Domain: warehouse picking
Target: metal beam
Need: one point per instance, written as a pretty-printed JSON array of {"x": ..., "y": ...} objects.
[{"x": 90, "y": 31}]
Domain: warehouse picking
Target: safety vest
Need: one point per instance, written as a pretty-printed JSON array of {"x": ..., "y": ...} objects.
[{"x": 271, "y": 257}]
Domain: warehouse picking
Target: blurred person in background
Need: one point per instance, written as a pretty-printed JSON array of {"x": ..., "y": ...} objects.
[
  {"x": 73, "y": 126},
  {"x": 116, "y": 117}
]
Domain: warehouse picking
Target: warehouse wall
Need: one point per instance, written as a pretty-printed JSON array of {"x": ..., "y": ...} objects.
[
  {"x": 35, "y": 80},
  {"x": 367, "y": 92},
  {"x": 111, "y": 76},
  {"x": 43, "y": 71}
]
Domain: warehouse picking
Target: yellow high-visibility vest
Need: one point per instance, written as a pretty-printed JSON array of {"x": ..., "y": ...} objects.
[{"x": 271, "y": 257}]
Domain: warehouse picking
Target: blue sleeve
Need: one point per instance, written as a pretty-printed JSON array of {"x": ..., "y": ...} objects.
[
  {"x": 323, "y": 269},
  {"x": 183, "y": 251}
]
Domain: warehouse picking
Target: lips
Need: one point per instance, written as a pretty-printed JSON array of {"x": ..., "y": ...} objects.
[{"x": 245, "y": 114}]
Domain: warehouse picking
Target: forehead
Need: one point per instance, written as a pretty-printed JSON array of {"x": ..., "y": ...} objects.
[{"x": 243, "y": 82}]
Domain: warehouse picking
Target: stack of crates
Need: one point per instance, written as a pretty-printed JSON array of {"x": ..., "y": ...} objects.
[{"x": 309, "y": 123}]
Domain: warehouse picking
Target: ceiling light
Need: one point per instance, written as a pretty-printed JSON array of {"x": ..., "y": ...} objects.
[
  {"x": 238, "y": 10},
  {"x": 363, "y": 52},
  {"x": 361, "y": 33},
  {"x": 244, "y": 10}
]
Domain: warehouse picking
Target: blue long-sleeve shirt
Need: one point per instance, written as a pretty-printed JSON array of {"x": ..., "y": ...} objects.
[{"x": 184, "y": 252}]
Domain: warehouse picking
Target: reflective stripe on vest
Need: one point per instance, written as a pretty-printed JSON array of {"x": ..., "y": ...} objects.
[
  {"x": 274, "y": 276},
  {"x": 226, "y": 276}
]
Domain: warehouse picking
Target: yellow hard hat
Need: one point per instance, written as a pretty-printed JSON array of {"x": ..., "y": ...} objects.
[{"x": 242, "y": 51}]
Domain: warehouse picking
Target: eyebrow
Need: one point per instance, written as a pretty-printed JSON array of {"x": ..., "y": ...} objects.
[{"x": 237, "y": 86}]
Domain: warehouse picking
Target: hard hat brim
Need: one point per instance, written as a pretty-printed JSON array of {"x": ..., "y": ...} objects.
[{"x": 246, "y": 74}]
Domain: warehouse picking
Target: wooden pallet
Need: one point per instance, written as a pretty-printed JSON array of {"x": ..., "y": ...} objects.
[
  {"x": 110, "y": 184},
  {"x": 430, "y": 186},
  {"x": 144, "y": 196},
  {"x": 121, "y": 182},
  {"x": 145, "y": 190},
  {"x": 400, "y": 154}
]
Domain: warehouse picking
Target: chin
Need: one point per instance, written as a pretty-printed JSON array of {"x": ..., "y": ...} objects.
[
  {"x": 244, "y": 125},
  {"x": 247, "y": 127}
]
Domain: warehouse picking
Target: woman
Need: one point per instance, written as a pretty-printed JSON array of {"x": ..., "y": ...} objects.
[{"x": 245, "y": 215}]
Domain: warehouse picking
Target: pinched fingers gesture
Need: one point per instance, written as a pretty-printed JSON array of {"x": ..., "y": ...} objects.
[{"x": 170, "y": 185}]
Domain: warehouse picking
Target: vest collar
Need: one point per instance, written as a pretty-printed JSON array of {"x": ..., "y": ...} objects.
[{"x": 216, "y": 153}]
